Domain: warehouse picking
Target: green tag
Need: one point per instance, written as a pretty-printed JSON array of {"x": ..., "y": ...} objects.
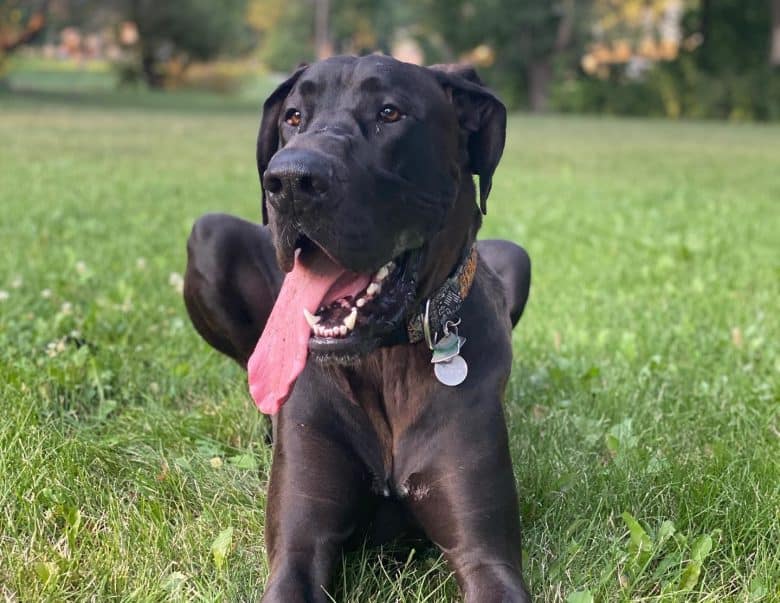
[{"x": 447, "y": 348}]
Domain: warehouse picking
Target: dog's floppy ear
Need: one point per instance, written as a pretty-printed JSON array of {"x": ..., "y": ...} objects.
[
  {"x": 268, "y": 137},
  {"x": 482, "y": 117}
]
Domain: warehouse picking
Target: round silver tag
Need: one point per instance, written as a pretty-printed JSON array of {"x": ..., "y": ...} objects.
[{"x": 451, "y": 372}]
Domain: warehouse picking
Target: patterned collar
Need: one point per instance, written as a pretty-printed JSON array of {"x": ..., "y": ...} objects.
[{"x": 446, "y": 301}]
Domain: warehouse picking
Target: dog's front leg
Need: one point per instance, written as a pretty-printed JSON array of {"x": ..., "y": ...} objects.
[
  {"x": 462, "y": 492},
  {"x": 316, "y": 483}
]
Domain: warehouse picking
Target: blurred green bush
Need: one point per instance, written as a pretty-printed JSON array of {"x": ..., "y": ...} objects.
[{"x": 675, "y": 89}]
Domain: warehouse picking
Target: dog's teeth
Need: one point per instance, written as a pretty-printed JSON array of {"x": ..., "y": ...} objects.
[
  {"x": 351, "y": 318},
  {"x": 343, "y": 330},
  {"x": 310, "y": 318},
  {"x": 381, "y": 274},
  {"x": 373, "y": 289},
  {"x": 360, "y": 302}
]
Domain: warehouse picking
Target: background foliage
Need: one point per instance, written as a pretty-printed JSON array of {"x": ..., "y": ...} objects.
[{"x": 722, "y": 59}]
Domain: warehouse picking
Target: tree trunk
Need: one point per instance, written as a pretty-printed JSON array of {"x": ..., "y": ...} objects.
[
  {"x": 705, "y": 27},
  {"x": 540, "y": 70},
  {"x": 151, "y": 70},
  {"x": 540, "y": 75},
  {"x": 774, "y": 53},
  {"x": 322, "y": 29}
]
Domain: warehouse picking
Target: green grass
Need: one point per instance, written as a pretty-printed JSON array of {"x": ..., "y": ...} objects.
[
  {"x": 95, "y": 84},
  {"x": 643, "y": 405}
]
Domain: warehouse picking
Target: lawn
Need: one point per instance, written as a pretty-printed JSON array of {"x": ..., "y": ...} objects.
[{"x": 643, "y": 406}]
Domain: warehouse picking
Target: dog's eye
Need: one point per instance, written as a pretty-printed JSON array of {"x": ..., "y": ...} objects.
[
  {"x": 389, "y": 114},
  {"x": 293, "y": 117}
]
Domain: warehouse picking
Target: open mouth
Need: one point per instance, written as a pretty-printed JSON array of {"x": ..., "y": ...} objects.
[
  {"x": 340, "y": 317},
  {"x": 330, "y": 312},
  {"x": 360, "y": 309}
]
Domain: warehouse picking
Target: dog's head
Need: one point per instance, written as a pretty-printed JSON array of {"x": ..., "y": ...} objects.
[{"x": 366, "y": 167}]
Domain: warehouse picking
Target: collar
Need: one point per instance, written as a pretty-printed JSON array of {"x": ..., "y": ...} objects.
[{"x": 443, "y": 305}]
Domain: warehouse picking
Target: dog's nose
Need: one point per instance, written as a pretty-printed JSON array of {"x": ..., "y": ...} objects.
[{"x": 297, "y": 180}]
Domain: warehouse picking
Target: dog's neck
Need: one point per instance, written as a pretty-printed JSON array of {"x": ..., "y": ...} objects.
[
  {"x": 448, "y": 268},
  {"x": 443, "y": 306},
  {"x": 447, "y": 248}
]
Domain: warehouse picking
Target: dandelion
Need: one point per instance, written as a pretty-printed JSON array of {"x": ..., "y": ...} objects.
[
  {"x": 4, "y": 295},
  {"x": 176, "y": 281}
]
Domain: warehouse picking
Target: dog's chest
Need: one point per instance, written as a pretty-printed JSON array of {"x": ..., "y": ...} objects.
[{"x": 391, "y": 390}]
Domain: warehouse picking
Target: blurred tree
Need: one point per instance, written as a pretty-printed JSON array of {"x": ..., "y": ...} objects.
[
  {"x": 525, "y": 39},
  {"x": 184, "y": 31},
  {"x": 286, "y": 34},
  {"x": 263, "y": 15},
  {"x": 20, "y": 23},
  {"x": 722, "y": 68},
  {"x": 774, "y": 53},
  {"x": 302, "y": 30},
  {"x": 322, "y": 42},
  {"x": 647, "y": 28},
  {"x": 733, "y": 67},
  {"x": 736, "y": 34},
  {"x": 360, "y": 26}
]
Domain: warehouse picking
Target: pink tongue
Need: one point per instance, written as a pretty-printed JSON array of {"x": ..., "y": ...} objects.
[{"x": 280, "y": 354}]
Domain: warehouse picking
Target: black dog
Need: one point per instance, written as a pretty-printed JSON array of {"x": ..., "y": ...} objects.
[{"x": 366, "y": 165}]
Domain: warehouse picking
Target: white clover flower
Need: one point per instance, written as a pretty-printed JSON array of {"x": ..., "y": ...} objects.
[
  {"x": 17, "y": 282},
  {"x": 81, "y": 267},
  {"x": 140, "y": 263},
  {"x": 46, "y": 293},
  {"x": 176, "y": 281},
  {"x": 4, "y": 295},
  {"x": 55, "y": 347}
]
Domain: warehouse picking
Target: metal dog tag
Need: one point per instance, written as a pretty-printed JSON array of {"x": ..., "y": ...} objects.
[
  {"x": 447, "y": 347},
  {"x": 451, "y": 372}
]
